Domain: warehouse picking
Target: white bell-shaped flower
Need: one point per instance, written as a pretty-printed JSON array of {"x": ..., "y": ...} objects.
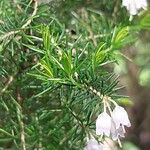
[
  {"x": 92, "y": 144},
  {"x": 141, "y": 4},
  {"x": 117, "y": 133},
  {"x": 103, "y": 124},
  {"x": 133, "y": 6},
  {"x": 120, "y": 117}
]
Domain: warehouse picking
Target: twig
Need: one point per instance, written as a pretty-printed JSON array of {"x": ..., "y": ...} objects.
[
  {"x": 20, "y": 120},
  {"x": 88, "y": 27},
  {"x": 22, "y": 133},
  {"x": 115, "y": 11},
  {"x": 33, "y": 14},
  {"x": 23, "y": 26},
  {"x": 17, "y": 5},
  {"x": 11, "y": 78},
  {"x": 8, "y": 35},
  {"x": 91, "y": 35}
]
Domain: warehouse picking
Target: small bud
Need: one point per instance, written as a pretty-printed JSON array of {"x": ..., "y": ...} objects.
[
  {"x": 91, "y": 88},
  {"x": 94, "y": 91},
  {"x": 98, "y": 93}
]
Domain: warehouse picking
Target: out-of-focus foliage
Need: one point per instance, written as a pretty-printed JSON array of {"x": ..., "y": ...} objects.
[
  {"x": 142, "y": 51},
  {"x": 143, "y": 61},
  {"x": 50, "y": 57},
  {"x": 129, "y": 146}
]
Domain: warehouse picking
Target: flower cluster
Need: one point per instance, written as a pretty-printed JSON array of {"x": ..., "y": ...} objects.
[
  {"x": 113, "y": 124},
  {"x": 110, "y": 123},
  {"x": 133, "y": 6}
]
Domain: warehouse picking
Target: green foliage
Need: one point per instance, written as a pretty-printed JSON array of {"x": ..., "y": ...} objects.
[
  {"x": 50, "y": 70},
  {"x": 145, "y": 21},
  {"x": 129, "y": 146}
]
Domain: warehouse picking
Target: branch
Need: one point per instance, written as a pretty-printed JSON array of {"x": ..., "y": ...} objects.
[
  {"x": 23, "y": 26},
  {"x": 17, "y": 6}
]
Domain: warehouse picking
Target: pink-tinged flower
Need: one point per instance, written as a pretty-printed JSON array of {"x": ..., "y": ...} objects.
[
  {"x": 117, "y": 133},
  {"x": 120, "y": 117},
  {"x": 103, "y": 124},
  {"x": 92, "y": 144},
  {"x": 133, "y": 6}
]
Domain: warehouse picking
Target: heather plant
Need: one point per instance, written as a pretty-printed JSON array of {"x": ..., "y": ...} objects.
[{"x": 58, "y": 88}]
